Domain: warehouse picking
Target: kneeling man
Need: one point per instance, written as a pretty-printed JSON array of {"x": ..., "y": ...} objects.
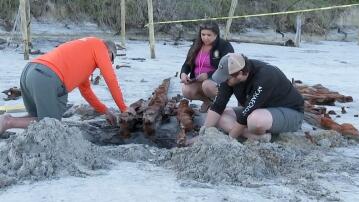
[{"x": 268, "y": 101}]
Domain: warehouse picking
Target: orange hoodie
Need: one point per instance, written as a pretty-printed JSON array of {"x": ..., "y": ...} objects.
[{"x": 75, "y": 61}]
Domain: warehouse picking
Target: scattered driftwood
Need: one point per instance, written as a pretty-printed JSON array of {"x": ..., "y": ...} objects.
[
  {"x": 138, "y": 59},
  {"x": 288, "y": 42},
  {"x": 122, "y": 66},
  {"x": 95, "y": 81},
  {"x": 119, "y": 47},
  {"x": 12, "y": 93},
  {"x": 318, "y": 115},
  {"x": 36, "y": 52},
  {"x": 319, "y": 95},
  {"x": 321, "y": 121},
  {"x": 185, "y": 119}
]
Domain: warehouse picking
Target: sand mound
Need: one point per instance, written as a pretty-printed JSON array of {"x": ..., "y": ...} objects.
[
  {"x": 216, "y": 158},
  {"x": 47, "y": 149}
]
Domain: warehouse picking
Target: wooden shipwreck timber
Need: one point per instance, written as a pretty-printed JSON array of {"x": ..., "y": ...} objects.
[
  {"x": 158, "y": 109},
  {"x": 316, "y": 114},
  {"x": 169, "y": 122},
  {"x": 149, "y": 115}
]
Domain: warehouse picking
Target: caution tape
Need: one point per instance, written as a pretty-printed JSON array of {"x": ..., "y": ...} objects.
[{"x": 257, "y": 15}]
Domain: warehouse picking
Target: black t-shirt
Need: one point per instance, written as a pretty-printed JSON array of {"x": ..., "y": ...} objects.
[{"x": 266, "y": 86}]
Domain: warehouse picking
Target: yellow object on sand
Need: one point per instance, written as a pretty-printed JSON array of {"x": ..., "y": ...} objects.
[{"x": 12, "y": 108}]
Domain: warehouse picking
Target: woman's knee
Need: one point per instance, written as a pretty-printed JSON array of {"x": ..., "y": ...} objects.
[
  {"x": 187, "y": 92},
  {"x": 209, "y": 88}
]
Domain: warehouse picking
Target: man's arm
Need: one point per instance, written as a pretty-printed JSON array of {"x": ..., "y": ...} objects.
[
  {"x": 219, "y": 104},
  {"x": 258, "y": 97},
  {"x": 90, "y": 97},
  {"x": 220, "y": 101},
  {"x": 104, "y": 63},
  {"x": 211, "y": 119}
]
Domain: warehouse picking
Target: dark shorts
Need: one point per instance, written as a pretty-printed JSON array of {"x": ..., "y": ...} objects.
[
  {"x": 43, "y": 92},
  {"x": 284, "y": 119}
]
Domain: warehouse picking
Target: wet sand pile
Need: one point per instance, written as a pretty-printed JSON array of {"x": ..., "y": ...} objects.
[{"x": 48, "y": 149}]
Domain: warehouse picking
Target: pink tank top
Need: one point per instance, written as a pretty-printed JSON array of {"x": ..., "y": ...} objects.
[{"x": 203, "y": 63}]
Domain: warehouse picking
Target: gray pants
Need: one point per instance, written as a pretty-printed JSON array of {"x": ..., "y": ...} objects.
[
  {"x": 284, "y": 119},
  {"x": 43, "y": 93}
]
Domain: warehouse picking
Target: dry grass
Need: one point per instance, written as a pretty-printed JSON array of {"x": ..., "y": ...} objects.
[{"x": 107, "y": 12}]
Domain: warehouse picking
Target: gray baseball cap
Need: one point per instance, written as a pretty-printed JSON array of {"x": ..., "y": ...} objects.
[{"x": 229, "y": 64}]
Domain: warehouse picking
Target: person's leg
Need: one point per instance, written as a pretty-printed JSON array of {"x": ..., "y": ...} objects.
[
  {"x": 7, "y": 122},
  {"x": 285, "y": 119},
  {"x": 3, "y": 123},
  {"x": 263, "y": 122},
  {"x": 25, "y": 91},
  {"x": 45, "y": 94},
  {"x": 48, "y": 93},
  {"x": 228, "y": 120},
  {"x": 258, "y": 123},
  {"x": 194, "y": 91},
  {"x": 210, "y": 88}
]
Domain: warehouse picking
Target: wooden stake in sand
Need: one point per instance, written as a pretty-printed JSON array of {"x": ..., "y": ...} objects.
[
  {"x": 25, "y": 25},
  {"x": 298, "y": 30},
  {"x": 123, "y": 23},
  {"x": 229, "y": 21},
  {"x": 151, "y": 28}
]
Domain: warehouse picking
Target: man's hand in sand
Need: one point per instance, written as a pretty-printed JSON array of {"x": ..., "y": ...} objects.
[
  {"x": 202, "y": 130},
  {"x": 131, "y": 110},
  {"x": 111, "y": 118},
  {"x": 191, "y": 141}
]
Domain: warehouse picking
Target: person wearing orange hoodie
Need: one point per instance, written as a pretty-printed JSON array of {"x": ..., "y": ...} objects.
[{"x": 46, "y": 81}]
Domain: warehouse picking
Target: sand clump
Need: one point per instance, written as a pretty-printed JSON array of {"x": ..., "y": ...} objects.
[
  {"x": 216, "y": 158},
  {"x": 292, "y": 161},
  {"x": 48, "y": 149}
]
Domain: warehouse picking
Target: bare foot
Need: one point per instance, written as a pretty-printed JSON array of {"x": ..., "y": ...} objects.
[{"x": 3, "y": 119}]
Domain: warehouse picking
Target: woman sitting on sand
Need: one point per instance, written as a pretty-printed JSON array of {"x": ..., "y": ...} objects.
[{"x": 202, "y": 60}]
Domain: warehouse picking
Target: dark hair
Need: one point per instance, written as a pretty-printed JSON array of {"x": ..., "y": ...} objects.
[
  {"x": 111, "y": 46},
  {"x": 192, "y": 53},
  {"x": 246, "y": 67}
]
